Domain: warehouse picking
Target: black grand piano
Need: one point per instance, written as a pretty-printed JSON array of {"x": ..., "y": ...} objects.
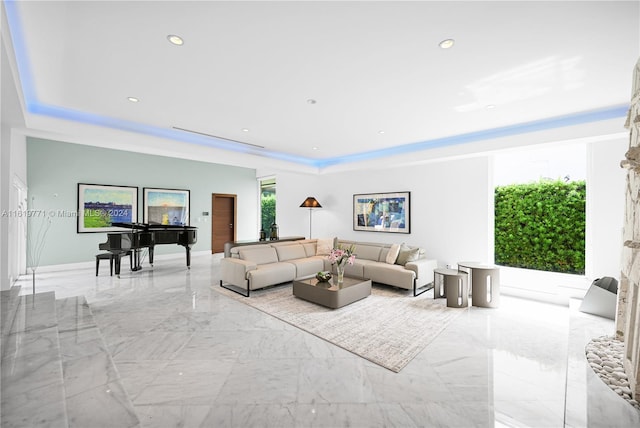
[{"x": 146, "y": 235}]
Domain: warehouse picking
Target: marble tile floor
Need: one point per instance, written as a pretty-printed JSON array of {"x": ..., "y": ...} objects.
[
  {"x": 54, "y": 361},
  {"x": 32, "y": 376},
  {"x": 187, "y": 356}
]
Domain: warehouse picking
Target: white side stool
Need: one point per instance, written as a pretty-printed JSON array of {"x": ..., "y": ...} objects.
[
  {"x": 439, "y": 291},
  {"x": 456, "y": 287},
  {"x": 485, "y": 284},
  {"x": 486, "y": 287}
]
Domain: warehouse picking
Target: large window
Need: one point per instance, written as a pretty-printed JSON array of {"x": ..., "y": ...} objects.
[
  {"x": 267, "y": 203},
  {"x": 540, "y": 200}
]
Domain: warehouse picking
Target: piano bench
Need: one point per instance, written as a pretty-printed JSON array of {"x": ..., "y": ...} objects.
[
  {"x": 112, "y": 258},
  {"x": 104, "y": 256}
]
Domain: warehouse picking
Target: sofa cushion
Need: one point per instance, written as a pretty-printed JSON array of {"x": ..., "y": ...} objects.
[
  {"x": 368, "y": 252},
  {"x": 324, "y": 246},
  {"x": 235, "y": 251},
  {"x": 309, "y": 248},
  {"x": 259, "y": 256},
  {"x": 357, "y": 268},
  {"x": 407, "y": 254},
  {"x": 308, "y": 266},
  {"x": 290, "y": 252},
  {"x": 271, "y": 274},
  {"x": 395, "y": 275},
  {"x": 392, "y": 255}
]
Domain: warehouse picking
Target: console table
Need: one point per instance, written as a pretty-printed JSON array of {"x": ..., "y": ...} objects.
[{"x": 229, "y": 245}]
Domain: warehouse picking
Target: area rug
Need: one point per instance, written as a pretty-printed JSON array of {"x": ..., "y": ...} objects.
[{"x": 388, "y": 328}]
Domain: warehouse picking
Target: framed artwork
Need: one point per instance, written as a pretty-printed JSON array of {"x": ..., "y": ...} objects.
[
  {"x": 100, "y": 205},
  {"x": 166, "y": 206},
  {"x": 382, "y": 212}
]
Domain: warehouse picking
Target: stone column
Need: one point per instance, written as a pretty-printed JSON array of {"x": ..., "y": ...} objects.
[{"x": 628, "y": 311}]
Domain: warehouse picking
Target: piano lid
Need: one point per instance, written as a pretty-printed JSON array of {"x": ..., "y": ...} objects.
[
  {"x": 152, "y": 226},
  {"x": 140, "y": 226}
]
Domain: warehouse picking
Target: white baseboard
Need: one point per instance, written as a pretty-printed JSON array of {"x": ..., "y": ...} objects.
[{"x": 92, "y": 263}]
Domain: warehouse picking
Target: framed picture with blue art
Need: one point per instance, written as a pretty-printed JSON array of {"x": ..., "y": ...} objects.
[
  {"x": 382, "y": 212},
  {"x": 100, "y": 205},
  {"x": 166, "y": 206}
]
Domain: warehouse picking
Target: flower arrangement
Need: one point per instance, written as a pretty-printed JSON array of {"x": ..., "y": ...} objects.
[{"x": 341, "y": 256}]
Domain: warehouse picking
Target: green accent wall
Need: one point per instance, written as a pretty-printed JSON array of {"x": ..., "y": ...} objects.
[{"x": 55, "y": 168}]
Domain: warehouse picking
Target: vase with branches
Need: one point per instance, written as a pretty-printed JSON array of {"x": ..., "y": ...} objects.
[{"x": 38, "y": 224}]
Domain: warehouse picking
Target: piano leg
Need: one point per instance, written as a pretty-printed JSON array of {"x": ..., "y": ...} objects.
[
  {"x": 151, "y": 255},
  {"x": 136, "y": 260},
  {"x": 117, "y": 260}
]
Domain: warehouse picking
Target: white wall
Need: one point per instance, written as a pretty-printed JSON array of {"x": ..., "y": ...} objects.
[
  {"x": 451, "y": 202},
  {"x": 12, "y": 163},
  {"x": 5, "y": 185},
  {"x": 605, "y": 207},
  {"x": 17, "y": 225}
]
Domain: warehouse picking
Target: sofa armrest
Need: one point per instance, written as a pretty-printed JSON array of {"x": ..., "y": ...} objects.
[
  {"x": 234, "y": 271},
  {"x": 423, "y": 269}
]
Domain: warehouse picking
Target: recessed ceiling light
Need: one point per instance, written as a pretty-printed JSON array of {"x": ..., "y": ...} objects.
[
  {"x": 311, "y": 101},
  {"x": 381, "y": 132},
  {"x": 245, "y": 130},
  {"x": 490, "y": 106},
  {"x": 447, "y": 43},
  {"x": 314, "y": 148},
  {"x": 133, "y": 99},
  {"x": 176, "y": 40}
]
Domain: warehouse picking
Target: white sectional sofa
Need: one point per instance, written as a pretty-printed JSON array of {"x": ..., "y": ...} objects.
[{"x": 252, "y": 267}]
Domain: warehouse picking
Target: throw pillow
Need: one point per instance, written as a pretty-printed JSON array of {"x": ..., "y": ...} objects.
[
  {"x": 407, "y": 255},
  {"x": 324, "y": 246},
  {"x": 392, "y": 255}
]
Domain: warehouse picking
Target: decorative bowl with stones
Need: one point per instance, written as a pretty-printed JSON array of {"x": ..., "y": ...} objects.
[{"x": 323, "y": 276}]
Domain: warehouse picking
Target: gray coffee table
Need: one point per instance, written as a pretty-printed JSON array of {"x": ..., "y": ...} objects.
[{"x": 332, "y": 294}]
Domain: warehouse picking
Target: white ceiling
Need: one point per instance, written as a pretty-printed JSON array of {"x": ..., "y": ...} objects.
[{"x": 381, "y": 83}]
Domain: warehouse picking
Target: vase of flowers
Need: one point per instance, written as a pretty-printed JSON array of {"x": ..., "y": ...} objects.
[
  {"x": 340, "y": 270},
  {"x": 341, "y": 257}
]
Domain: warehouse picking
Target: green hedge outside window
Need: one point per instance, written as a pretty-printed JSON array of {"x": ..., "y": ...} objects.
[{"x": 541, "y": 226}]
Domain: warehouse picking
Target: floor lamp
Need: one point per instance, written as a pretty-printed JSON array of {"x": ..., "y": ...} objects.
[{"x": 310, "y": 203}]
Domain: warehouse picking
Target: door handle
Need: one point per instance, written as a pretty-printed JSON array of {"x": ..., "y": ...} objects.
[{"x": 230, "y": 226}]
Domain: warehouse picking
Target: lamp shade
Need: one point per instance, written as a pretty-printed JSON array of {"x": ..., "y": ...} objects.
[{"x": 310, "y": 202}]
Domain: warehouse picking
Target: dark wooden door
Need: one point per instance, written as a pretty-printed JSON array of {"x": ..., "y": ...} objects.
[{"x": 223, "y": 221}]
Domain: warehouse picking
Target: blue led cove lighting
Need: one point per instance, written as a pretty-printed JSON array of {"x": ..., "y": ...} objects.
[{"x": 34, "y": 106}]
